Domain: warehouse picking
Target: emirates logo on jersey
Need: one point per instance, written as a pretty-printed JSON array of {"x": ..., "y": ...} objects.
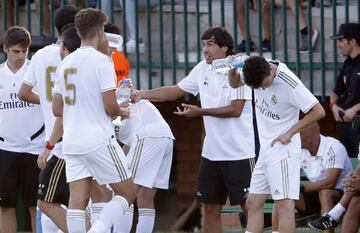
[
  {"x": 264, "y": 109},
  {"x": 273, "y": 99}
]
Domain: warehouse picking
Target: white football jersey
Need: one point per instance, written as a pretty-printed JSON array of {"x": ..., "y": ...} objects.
[
  {"x": 230, "y": 138},
  {"x": 83, "y": 76},
  {"x": 331, "y": 154},
  {"x": 277, "y": 110},
  {"x": 42, "y": 73},
  {"x": 21, "y": 123},
  {"x": 145, "y": 121}
]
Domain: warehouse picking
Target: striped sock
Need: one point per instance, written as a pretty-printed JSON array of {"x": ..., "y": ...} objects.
[
  {"x": 76, "y": 220},
  {"x": 110, "y": 214},
  {"x": 146, "y": 220},
  {"x": 125, "y": 223}
]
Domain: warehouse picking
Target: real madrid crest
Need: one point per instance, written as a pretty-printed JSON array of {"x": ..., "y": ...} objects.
[{"x": 273, "y": 99}]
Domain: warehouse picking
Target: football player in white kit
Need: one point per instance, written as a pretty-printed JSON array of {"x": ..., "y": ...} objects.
[
  {"x": 279, "y": 97},
  {"x": 21, "y": 133},
  {"x": 86, "y": 79},
  {"x": 53, "y": 189},
  {"x": 149, "y": 142}
]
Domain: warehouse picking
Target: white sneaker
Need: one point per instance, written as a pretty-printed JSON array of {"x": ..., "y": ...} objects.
[{"x": 131, "y": 46}]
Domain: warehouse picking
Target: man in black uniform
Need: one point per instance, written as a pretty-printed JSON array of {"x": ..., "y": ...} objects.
[{"x": 345, "y": 98}]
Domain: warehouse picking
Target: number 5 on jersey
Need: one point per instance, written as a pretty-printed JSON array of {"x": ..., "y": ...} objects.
[{"x": 70, "y": 88}]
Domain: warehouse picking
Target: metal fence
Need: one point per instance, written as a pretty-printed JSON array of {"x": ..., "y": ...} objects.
[{"x": 172, "y": 31}]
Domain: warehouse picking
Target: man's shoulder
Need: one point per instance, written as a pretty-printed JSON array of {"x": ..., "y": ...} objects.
[
  {"x": 287, "y": 77},
  {"x": 333, "y": 146}
]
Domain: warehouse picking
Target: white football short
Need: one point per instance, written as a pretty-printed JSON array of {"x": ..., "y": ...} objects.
[
  {"x": 281, "y": 179},
  {"x": 150, "y": 161},
  {"x": 107, "y": 165}
]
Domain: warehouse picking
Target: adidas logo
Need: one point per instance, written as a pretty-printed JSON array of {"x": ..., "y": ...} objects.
[{"x": 277, "y": 192}]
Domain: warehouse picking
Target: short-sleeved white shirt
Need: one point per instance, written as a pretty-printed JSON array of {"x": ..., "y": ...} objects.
[
  {"x": 277, "y": 110},
  {"x": 19, "y": 120},
  {"x": 226, "y": 138},
  {"x": 145, "y": 121},
  {"x": 41, "y": 72},
  {"x": 83, "y": 77},
  {"x": 331, "y": 154}
]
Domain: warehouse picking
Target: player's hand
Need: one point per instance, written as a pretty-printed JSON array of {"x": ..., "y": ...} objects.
[
  {"x": 351, "y": 182},
  {"x": 188, "y": 110},
  {"x": 124, "y": 113},
  {"x": 124, "y": 104},
  {"x": 349, "y": 114},
  {"x": 336, "y": 113},
  {"x": 283, "y": 139},
  {"x": 42, "y": 158},
  {"x": 135, "y": 96}
]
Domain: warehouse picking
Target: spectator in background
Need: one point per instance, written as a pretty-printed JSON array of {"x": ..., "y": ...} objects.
[
  {"x": 46, "y": 14},
  {"x": 130, "y": 11},
  {"x": 325, "y": 163},
  {"x": 10, "y": 11},
  {"x": 266, "y": 43},
  {"x": 21, "y": 140},
  {"x": 345, "y": 98}
]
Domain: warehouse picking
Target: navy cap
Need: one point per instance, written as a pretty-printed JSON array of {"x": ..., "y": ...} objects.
[{"x": 347, "y": 30}]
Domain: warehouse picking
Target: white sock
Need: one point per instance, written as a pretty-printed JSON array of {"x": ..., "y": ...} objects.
[
  {"x": 146, "y": 220},
  {"x": 248, "y": 232},
  {"x": 76, "y": 220},
  {"x": 111, "y": 213},
  {"x": 48, "y": 225},
  {"x": 275, "y": 232},
  {"x": 336, "y": 212},
  {"x": 125, "y": 223},
  {"x": 96, "y": 208}
]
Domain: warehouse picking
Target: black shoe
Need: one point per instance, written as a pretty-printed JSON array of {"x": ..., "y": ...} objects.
[
  {"x": 323, "y": 223},
  {"x": 242, "y": 46},
  {"x": 266, "y": 46}
]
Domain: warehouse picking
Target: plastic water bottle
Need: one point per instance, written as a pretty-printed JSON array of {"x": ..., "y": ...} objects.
[
  {"x": 238, "y": 61},
  {"x": 115, "y": 40},
  {"x": 223, "y": 65},
  {"x": 123, "y": 92}
]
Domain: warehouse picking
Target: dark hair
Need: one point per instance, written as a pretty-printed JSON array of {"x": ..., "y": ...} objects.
[
  {"x": 111, "y": 28},
  {"x": 17, "y": 36},
  {"x": 357, "y": 40},
  {"x": 88, "y": 21},
  {"x": 221, "y": 37},
  {"x": 64, "y": 15},
  {"x": 70, "y": 37},
  {"x": 255, "y": 70}
]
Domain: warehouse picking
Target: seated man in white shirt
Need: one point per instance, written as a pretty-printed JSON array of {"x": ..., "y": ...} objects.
[{"x": 325, "y": 163}]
